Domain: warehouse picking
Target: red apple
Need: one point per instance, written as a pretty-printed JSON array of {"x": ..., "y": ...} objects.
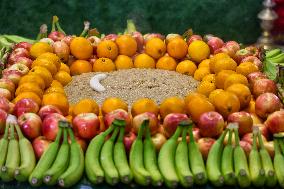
[
  {"x": 249, "y": 138},
  {"x": 204, "y": 145},
  {"x": 275, "y": 122},
  {"x": 254, "y": 50},
  {"x": 3, "y": 117},
  {"x": 128, "y": 140},
  {"x": 139, "y": 40},
  {"x": 266, "y": 104},
  {"x": 149, "y": 36},
  {"x": 171, "y": 122},
  {"x": 246, "y": 146},
  {"x": 171, "y": 36},
  {"x": 80, "y": 141},
  {"x": 95, "y": 42},
  {"x": 232, "y": 45},
  {"x": 30, "y": 124},
  {"x": 110, "y": 37},
  {"x": 244, "y": 121},
  {"x": 48, "y": 109},
  {"x": 269, "y": 146},
  {"x": 20, "y": 67},
  {"x": 215, "y": 43},
  {"x": 211, "y": 124},
  {"x": 47, "y": 40},
  {"x": 153, "y": 122},
  {"x": 93, "y": 59},
  {"x": 158, "y": 140},
  {"x": 254, "y": 60},
  {"x": 50, "y": 125},
  {"x": 252, "y": 77},
  {"x": 61, "y": 49},
  {"x": 13, "y": 75},
  {"x": 24, "y": 60},
  {"x": 226, "y": 50},
  {"x": 24, "y": 45},
  {"x": 196, "y": 133},
  {"x": 241, "y": 54},
  {"x": 263, "y": 130},
  {"x": 261, "y": 86},
  {"x": 4, "y": 104},
  {"x": 56, "y": 36},
  {"x": 19, "y": 52},
  {"x": 40, "y": 145},
  {"x": 193, "y": 38},
  {"x": 25, "y": 105},
  {"x": 7, "y": 84},
  {"x": 86, "y": 125},
  {"x": 67, "y": 39},
  {"x": 118, "y": 114},
  {"x": 11, "y": 107},
  {"x": 5, "y": 93}
]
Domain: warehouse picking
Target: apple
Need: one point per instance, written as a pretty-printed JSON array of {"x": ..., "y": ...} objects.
[
  {"x": 171, "y": 36},
  {"x": 7, "y": 84},
  {"x": 139, "y": 40},
  {"x": 275, "y": 122},
  {"x": 110, "y": 37},
  {"x": 13, "y": 75},
  {"x": 30, "y": 124},
  {"x": 50, "y": 125},
  {"x": 153, "y": 122},
  {"x": 171, "y": 122},
  {"x": 204, "y": 145},
  {"x": 24, "y": 45},
  {"x": 25, "y": 105},
  {"x": 86, "y": 125},
  {"x": 211, "y": 124},
  {"x": 266, "y": 104},
  {"x": 249, "y": 138},
  {"x": 67, "y": 39},
  {"x": 128, "y": 140},
  {"x": 61, "y": 49},
  {"x": 244, "y": 121},
  {"x": 252, "y": 77},
  {"x": 241, "y": 54},
  {"x": 48, "y": 109},
  {"x": 19, "y": 52},
  {"x": 5, "y": 93},
  {"x": 56, "y": 35},
  {"x": 254, "y": 50},
  {"x": 261, "y": 86},
  {"x": 196, "y": 133},
  {"x": 193, "y": 38},
  {"x": 4, "y": 104},
  {"x": 226, "y": 50},
  {"x": 47, "y": 40},
  {"x": 149, "y": 36},
  {"x": 80, "y": 141},
  {"x": 246, "y": 147},
  {"x": 3, "y": 117},
  {"x": 20, "y": 67},
  {"x": 93, "y": 59},
  {"x": 118, "y": 114},
  {"x": 232, "y": 46},
  {"x": 40, "y": 145},
  {"x": 254, "y": 60},
  {"x": 11, "y": 107},
  {"x": 215, "y": 43},
  {"x": 269, "y": 146},
  {"x": 95, "y": 42},
  {"x": 158, "y": 140}
]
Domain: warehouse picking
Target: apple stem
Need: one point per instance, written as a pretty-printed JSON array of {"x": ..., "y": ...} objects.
[
  {"x": 86, "y": 29},
  {"x": 58, "y": 136},
  {"x": 121, "y": 134},
  {"x": 6, "y": 131},
  {"x": 42, "y": 32},
  {"x": 19, "y": 132}
]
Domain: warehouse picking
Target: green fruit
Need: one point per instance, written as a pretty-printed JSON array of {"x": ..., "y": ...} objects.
[
  {"x": 278, "y": 164},
  {"x": 4, "y": 147}
]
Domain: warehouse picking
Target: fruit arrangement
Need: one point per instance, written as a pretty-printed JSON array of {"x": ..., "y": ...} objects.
[{"x": 228, "y": 131}]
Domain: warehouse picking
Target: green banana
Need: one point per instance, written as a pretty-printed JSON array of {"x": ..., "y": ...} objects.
[
  {"x": 257, "y": 173},
  {"x": 4, "y": 147},
  {"x": 107, "y": 162},
  {"x": 28, "y": 160},
  {"x": 140, "y": 174},
  {"x": 182, "y": 162},
  {"x": 13, "y": 157},
  {"x": 227, "y": 162},
  {"x": 278, "y": 163},
  {"x": 213, "y": 163},
  {"x": 150, "y": 160},
  {"x": 277, "y": 59},
  {"x": 75, "y": 168},
  {"x": 272, "y": 53},
  {"x": 281, "y": 144},
  {"x": 18, "y": 39},
  {"x": 45, "y": 161},
  {"x": 196, "y": 161},
  {"x": 60, "y": 164},
  {"x": 240, "y": 163},
  {"x": 166, "y": 160},
  {"x": 93, "y": 167}
]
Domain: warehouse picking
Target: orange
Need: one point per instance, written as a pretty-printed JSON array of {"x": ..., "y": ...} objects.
[
  {"x": 172, "y": 105},
  {"x": 107, "y": 49},
  {"x": 103, "y": 65},
  {"x": 213, "y": 94},
  {"x": 56, "y": 83},
  {"x": 204, "y": 63},
  {"x": 166, "y": 63},
  {"x": 198, "y": 106},
  {"x": 251, "y": 107},
  {"x": 235, "y": 78},
  {"x": 43, "y": 73},
  {"x": 177, "y": 48},
  {"x": 246, "y": 68},
  {"x": 198, "y": 51},
  {"x": 86, "y": 106},
  {"x": 144, "y": 61},
  {"x": 112, "y": 103},
  {"x": 55, "y": 90},
  {"x": 29, "y": 87},
  {"x": 221, "y": 78},
  {"x": 155, "y": 47},
  {"x": 31, "y": 95},
  {"x": 225, "y": 64},
  {"x": 215, "y": 58},
  {"x": 69, "y": 118},
  {"x": 205, "y": 88},
  {"x": 210, "y": 78},
  {"x": 32, "y": 78},
  {"x": 64, "y": 67},
  {"x": 186, "y": 67},
  {"x": 144, "y": 105},
  {"x": 63, "y": 77},
  {"x": 81, "y": 48},
  {"x": 226, "y": 103},
  {"x": 52, "y": 57},
  {"x": 56, "y": 99},
  {"x": 193, "y": 95},
  {"x": 80, "y": 66},
  {"x": 39, "y": 48},
  {"x": 123, "y": 62},
  {"x": 242, "y": 92},
  {"x": 200, "y": 73},
  {"x": 127, "y": 45},
  {"x": 48, "y": 64}
]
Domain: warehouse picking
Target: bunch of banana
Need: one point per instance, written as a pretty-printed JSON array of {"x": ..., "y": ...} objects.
[
  {"x": 8, "y": 40},
  {"x": 279, "y": 158},
  {"x": 17, "y": 158},
  {"x": 275, "y": 56},
  {"x": 60, "y": 164}
]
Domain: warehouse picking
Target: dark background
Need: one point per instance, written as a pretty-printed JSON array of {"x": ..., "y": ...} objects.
[{"x": 229, "y": 19}]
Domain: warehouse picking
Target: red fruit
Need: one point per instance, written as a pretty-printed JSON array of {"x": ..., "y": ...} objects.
[
  {"x": 25, "y": 105},
  {"x": 13, "y": 75},
  {"x": 19, "y": 52},
  {"x": 241, "y": 54},
  {"x": 67, "y": 39},
  {"x": 4, "y": 104},
  {"x": 61, "y": 49},
  {"x": 215, "y": 43},
  {"x": 264, "y": 86},
  {"x": 95, "y": 42},
  {"x": 80, "y": 141},
  {"x": 232, "y": 46},
  {"x": 252, "y": 77},
  {"x": 3, "y": 117},
  {"x": 244, "y": 121},
  {"x": 149, "y": 36},
  {"x": 158, "y": 140},
  {"x": 254, "y": 50},
  {"x": 254, "y": 60},
  {"x": 204, "y": 145},
  {"x": 139, "y": 40},
  {"x": 193, "y": 38},
  {"x": 118, "y": 114},
  {"x": 30, "y": 124},
  {"x": 7, "y": 84},
  {"x": 211, "y": 124},
  {"x": 40, "y": 145},
  {"x": 48, "y": 109},
  {"x": 153, "y": 122},
  {"x": 249, "y": 138},
  {"x": 246, "y": 146},
  {"x": 110, "y": 37},
  {"x": 24, "y": 60},
  {"x": 5, "y": 93},
  {"x": 128, "y": 140},
  {"x": 19, "y": 67},
  {"x": 171, "y": 122},
  {"x": 196, "y": 133},
  {"x": 275, "y": 122},
  {"x": 56, "y": 36},
  {"x": 266, "y": 104},
  {"x": 226, "y": 50},
  {"x": 50, "y": 125},
  {"x": 24, "y": 45}
]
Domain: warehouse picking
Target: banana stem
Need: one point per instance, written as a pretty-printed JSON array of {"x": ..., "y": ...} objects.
[
  {"x": 65, "y": 140},
  {"x": 119, "y": 122},
  {"x": 54, "y": 20},
  {"x": 59, "y": 28},
  {"x": 148, "y": 133},
  {"x": 86, "y": 29},
  {"x": 281, "y": 144},
  {"x": 71, "y": 134},
  {"x": 237, "y": 138},
  {"x": 144, "y": 124},
  {"x": 177, "y": 133},
  {"x": 230, "y": 137},
  {"x": 184, "y": 133},
  {"x": 114, "y": 134},
  {"x": 12, "y": 130},
  {"x": 42, "y": 32},
  {"x": 121, "y": 134},
  {"x": 222, "y": 137},
  {"x": 191, "y": 137},
  {"x": 254, "y": 145},
  {"x": 58, "y": 136},
  {"x": 276, "y": 147},
  {"x": 19, "y": 132},
  {"x": 109, "y": 130},
  {"x": 260, "y": 141},
  {"x": 6, "y": 131}
]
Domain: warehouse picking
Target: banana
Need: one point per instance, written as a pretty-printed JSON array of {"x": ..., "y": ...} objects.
[
  {"x": 241, "y": 164},
  {"x": 272, "y": 53},
  {"x": 45, "y": 161},
  {"x": 140, "y": 174},
  {"x": 75, "y": 168},
  {"x": 213, "y": 163},
  {"x": 196, "y": 161},
  {"x": 13, "y": 157},
  {"x": 277, "y": 59},
  {"x": 150, "y": 160},
  {"x": 278, "y": 163},
  {"x": 95, "y": 82},
  {"x": 111, "y": 173},
  {"x": 182, "y": 162},
  {"x": 257, "y": 173},
  {"x": 28, "y": 160},
  {"x": 166, "y": 160},
  {"x": 4, "y": 147},
  {"x": 60, "y": 164}
]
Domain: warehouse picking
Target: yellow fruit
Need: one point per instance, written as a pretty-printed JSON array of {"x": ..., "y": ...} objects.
[
  {"x": 56, "y": 99},
  {"x": 144, "y": 61},
  {"x": 246, "y": 68},
  {"x": 213, "y": 94},
  {"x": 64, "y": 67},
  {"x": 166, "y": 63},
  {"x": 235, "y": 78},
  {"x": 56, "y": 83},
  {"x": 205, "y": 88},
  {"x": 43, "y": 73},
  {"x": 198, "y": 51},
  {"x": 123, "y": 62},
  {"x": 63, "y": 77},
  {"x": 204, "y": 63},
  {"x": 86, "y": 106},
  {"x": 221, "y": 78},
  {"x": 112, "y": 103},
  {"x": 32, "y": 78},
  {"x": 107, "y": 49},
  {"x": 103, "y": 65},
  {"x": 224, "y": 64},
  {"x": 30, "y": 95},
  {"x": 48, "y": 64},
  {"x": 186, "y": 67},
  {"x": 144, "y": 105},
  {"x": 177, "y": 48},
  {"x": 192, "y": 95},
  {"x": 55, "y": 90},
  {"x": 172, "y": 105},
  {"x": 155, "y": 47},
  {"x": 200, "y": 73},
  {"x": 52, "y": 57},
  {"x": 39, "y": 48},
  {"x": 215, "y": 58},
  {"x": 81, "y": 48},
  {"x": 127, "y": 45},
  {"x": 210, "y": 78},
  {"x": 242, "y": 92},
  {"x": 29, "y": 87}
]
